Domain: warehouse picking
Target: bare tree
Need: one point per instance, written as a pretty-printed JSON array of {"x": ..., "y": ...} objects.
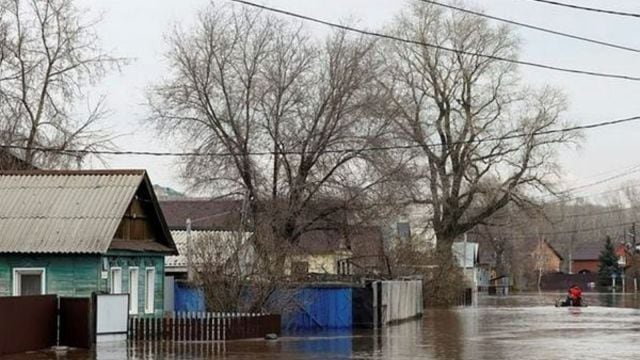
[
  {"x": 49, "y": 54},
  {"x": 481, "y": 138},
  {"x": 288, "y": 120}
]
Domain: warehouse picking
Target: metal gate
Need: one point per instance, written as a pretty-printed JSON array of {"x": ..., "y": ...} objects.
[
  {"x": 76, "y": 322},
  {"x": 28, "y": 323}
]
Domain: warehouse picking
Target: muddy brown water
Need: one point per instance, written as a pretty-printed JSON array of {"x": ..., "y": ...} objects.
[{"x": 514, "y": 327}]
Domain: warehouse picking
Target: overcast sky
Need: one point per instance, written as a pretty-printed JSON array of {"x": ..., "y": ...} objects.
[{"x": 135, "y": 28}]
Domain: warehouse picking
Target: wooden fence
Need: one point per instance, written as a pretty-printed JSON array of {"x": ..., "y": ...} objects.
[{"x": 204, "y": 327}]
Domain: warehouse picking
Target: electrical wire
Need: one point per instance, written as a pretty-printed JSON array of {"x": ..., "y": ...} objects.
[
  {"x": 533, "y": 27},
  {"x": 548, "y": 234},
  {"x": 631, "y": 171},
  {"x": 329, "y": 151},
  {"x": 586, "y": 8},
  {"x": 440, "y": 47}
]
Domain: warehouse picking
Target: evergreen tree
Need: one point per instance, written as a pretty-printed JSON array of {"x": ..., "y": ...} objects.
[{"x": 608, "y": 264}]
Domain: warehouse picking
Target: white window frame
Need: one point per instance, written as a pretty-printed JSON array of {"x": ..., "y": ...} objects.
[
  {"x": 149, "y": 290},
  {"x": 111, "y": 279},
  {"x": 134, "y": 290},
  {"x": 29, "y": 271}
]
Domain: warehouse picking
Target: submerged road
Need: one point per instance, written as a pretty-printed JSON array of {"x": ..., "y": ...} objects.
[{"x": 514, "y": 327}]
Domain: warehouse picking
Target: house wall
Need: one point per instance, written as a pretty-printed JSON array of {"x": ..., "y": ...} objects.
[
  {"x": 320, "y": 263},
  {"x": 127, "y": 260},
  {"x": 66, "y": 275},
  {"x": 550, "y": 260},
  {"x": 81, "y": 275},
  {"x": 580, "y": 265}
]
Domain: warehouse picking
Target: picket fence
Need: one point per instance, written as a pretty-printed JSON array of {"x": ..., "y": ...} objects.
[{"x": 196, "y": 326}]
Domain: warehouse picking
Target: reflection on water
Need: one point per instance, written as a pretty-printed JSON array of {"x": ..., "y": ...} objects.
[{"x": 514, "y": 327}]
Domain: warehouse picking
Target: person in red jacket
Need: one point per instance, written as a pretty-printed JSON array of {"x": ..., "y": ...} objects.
[{"x": 575, "y": 295}]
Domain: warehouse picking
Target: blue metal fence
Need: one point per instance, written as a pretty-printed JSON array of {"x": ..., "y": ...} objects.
[
  {"x": 316, "y": 308},
  {"x": 188, "y": 298}
]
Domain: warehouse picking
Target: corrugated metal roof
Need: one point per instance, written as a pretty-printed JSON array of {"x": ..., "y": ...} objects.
[{"x": 63, "y": 211}]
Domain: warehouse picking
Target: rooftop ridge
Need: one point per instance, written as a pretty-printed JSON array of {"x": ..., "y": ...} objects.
[{"x": 87, "y": 172}]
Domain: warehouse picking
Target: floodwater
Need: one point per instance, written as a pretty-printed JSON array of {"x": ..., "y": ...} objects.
[{"x": 513, "y": 327}]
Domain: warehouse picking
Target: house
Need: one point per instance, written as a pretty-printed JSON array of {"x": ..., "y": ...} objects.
[
  {"x": 73, "y": 233},
  {"x": 216, "y": 234},
  {"x": 412, "y": 226},
  {"x": 466, "y": 255},
  {"x": 545, "y": 257},
  {"x": 586, "y": 259},
  {"x": 210, "y": 248},
  {"x": 337, "y": 249},
  {"x": 352, "y": 250}
]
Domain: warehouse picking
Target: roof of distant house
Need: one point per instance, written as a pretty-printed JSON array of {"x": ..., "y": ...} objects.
[
  {"x": 205, "y": 214},
  {"x": 586, "y": 253},
  {"x": 361, "y": 240},
  {"x": 366, "y": 244},
  {"x": 72, "y": 211}
]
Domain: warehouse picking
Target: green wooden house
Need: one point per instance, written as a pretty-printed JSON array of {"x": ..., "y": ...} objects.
[{"x": 73, "y": 233}]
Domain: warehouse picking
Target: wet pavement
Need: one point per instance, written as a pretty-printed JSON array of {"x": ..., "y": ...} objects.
[{"x": 513, "y": 327}]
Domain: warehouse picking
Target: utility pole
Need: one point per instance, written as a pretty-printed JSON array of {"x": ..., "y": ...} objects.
[
  {"x": 189, "y": 251},
  {"x": 464, "y": 253}
]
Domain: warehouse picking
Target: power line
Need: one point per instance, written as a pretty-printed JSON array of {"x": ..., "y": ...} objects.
[
  {"x": 586, "y": 8},
  {"x": 440, "y": 47},
  {"x": 533, "y": 27},
  {"x": 72, "y": 152},
  {"x": 633, "y": 170},
  {"x": 563, "y": 232}
]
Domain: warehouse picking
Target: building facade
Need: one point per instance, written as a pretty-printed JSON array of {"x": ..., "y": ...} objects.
[{"x": 73, "y": 233}]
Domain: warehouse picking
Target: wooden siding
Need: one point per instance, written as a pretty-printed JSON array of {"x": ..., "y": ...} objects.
[
  {"x": 66, "y": 275},
  {"x": 80, "y": 275},
  {"x": 136, "y": 223},
  {"x": 126, "y": 260}
]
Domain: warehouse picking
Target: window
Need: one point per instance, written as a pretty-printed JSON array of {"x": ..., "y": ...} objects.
[
  {"x": 300, "y": 268},
  {"x": 344, "y": 267},
  {"x": 116, "y": 280},
  {"x": 404, "y": 230},
  {"x": 28, "y": 281},
  {"x": 150, "y": 284},
  {"x": 133, "y": 290}
]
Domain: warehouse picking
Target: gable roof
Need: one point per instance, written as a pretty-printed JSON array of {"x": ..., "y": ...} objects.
[
  {"x": 205, "y": 214},
  {"x": 47, "y": 211},
  {"x": 586, "y": 253}
]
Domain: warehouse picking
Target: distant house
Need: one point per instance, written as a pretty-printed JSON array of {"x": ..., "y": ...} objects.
[
  {"x": 211, "y": 248},
  {"x": 349, "y": 251},
  {"x": 587, "y": 259},
  {"x": 216, "y": 233},
  {"x": 73, "y": 233},
  {"x": 412, "y": 226},
  {"x": 545, "y": 258},
  {"x": 467, "y": 258}
]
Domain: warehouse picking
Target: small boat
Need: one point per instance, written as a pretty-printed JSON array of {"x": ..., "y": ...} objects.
[{"x": 564, "y": 302}]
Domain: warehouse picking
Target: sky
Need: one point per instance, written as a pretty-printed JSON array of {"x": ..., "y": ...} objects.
[{"x": 135, "y": 29}]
